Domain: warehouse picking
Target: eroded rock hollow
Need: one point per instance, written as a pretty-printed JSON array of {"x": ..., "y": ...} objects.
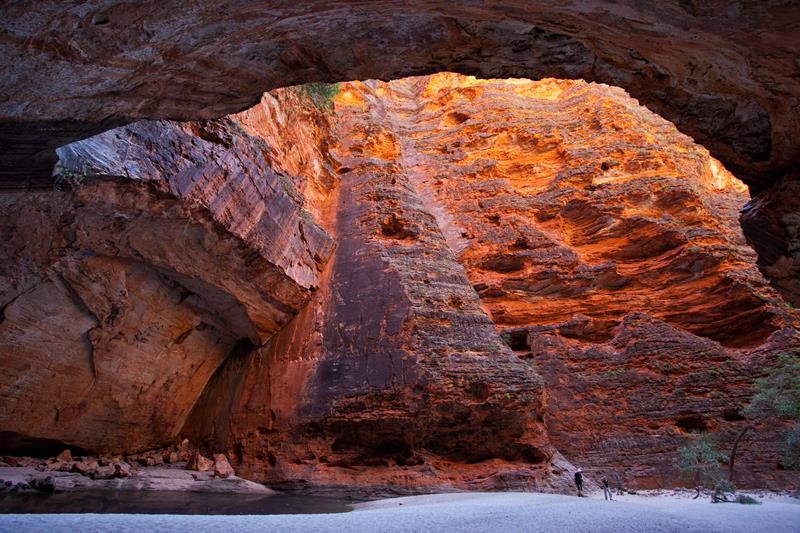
[{"x": 432, "y": 282}]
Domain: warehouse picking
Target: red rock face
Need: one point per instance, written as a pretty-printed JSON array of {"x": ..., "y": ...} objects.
[
  {"x": 605, "y": 246},
  {"x": 393, "y": 375},
  {"x": 120, "y": 298},
  {"x": 444, "y": 282}
]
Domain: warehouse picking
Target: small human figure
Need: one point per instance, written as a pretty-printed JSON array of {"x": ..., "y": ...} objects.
[
  {"x": 618, "y": 482},
  {"x": 579, "y": 482},
  {"x": 606, "y": 489}
]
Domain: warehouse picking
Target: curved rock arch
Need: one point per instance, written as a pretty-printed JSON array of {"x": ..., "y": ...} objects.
[{"x": 725, "y": 73}]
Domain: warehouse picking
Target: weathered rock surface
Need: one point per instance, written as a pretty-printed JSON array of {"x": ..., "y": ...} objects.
[
  {"x": 725, "y": 73},
  {"x": 772, "y": 225},
  {"x": 175, "y": 247},
  {"x": 520, "y": 269},
  {"x": 602, "y": 242},
  {"x": 155, "y": 479},
  {"x": 200, "y": 463},
  {"x": 393, "y": 375},
  {"x": 605, "y": 245},
  {"x": 222, "y": 467}
]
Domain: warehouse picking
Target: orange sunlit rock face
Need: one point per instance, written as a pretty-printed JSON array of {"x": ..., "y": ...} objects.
[
  {"x": 393, "y": 375},
  {"x": 606, "y": 248},
  {"x": 438, "y": 282},
  {"x": 566, "y": 198}
]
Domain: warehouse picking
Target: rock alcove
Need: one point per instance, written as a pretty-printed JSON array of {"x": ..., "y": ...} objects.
[{"x": 437, "y": 280}]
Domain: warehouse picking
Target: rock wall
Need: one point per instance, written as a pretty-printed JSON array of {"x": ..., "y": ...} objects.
[
  {"x": 437, "y": 282},
  {"x": 602, "y": 243},
  {"x": 164, "y": 249},
  {"x": 605, "y": 246},
  {"x": 393, "y": 376},
  {"x": 772, "y": 224}
]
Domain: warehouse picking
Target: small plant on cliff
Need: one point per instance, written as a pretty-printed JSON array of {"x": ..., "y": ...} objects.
[
  {"x": 305, "y": 215},
  {"x": 778, "y": 394},
  {"x": 236, "y": 125},
  {"x": 321, "y": 94},
  {"x": 291, "y": 191},
  {"x": 66, "y": 177},
  {"x": 614, "y": 374}
]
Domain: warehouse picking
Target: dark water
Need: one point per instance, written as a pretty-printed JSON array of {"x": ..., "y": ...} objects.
[{"x": 170, "y": 503}]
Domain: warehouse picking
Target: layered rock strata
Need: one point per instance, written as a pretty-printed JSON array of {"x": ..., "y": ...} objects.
[
  {"x": 165, "y": 249},
  {"x": 393, "y": 375},
  {"x": 605, "y": 246},
  {"x": 439, "y": 282}
]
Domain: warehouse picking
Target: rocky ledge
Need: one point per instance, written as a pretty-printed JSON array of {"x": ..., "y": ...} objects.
[
  {"x": 24, "y": 479},
  {"x": 176, "y": 468}
]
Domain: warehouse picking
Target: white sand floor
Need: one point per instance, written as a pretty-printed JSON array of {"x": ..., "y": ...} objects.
[{"x": 462, "y": 512}]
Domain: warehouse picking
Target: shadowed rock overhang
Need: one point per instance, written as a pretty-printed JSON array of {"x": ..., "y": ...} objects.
[{"x": 725, "y": 73}]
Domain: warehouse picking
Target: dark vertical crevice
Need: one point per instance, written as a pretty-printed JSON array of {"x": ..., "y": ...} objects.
[
  {"x": 771, "y": 224},
  {"x": 86, "y": 339},
  {"x": 209, "y": 422}
]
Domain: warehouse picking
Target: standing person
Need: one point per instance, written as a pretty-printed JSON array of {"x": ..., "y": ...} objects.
[
  {"x": 618, "y": 481},
  {"x": 606, "y": 489},
  {"x": 579, "y": 482}
]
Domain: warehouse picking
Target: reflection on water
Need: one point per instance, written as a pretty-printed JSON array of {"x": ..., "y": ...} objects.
[{"x": 170, "y": 503}]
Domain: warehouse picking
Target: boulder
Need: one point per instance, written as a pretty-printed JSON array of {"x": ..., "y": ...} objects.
[
  {"x": 202, "y": 476},
  {"x": 20, "y": 487},
  {"x": 85, "y": 467},
  {"x": 64, "y": 456},
  {"x": 121, "y": 469},
  {"x": 58, "y": 466},
  {"x": 199, "y": 463},
  {"x": 222, "y": 468},
  {"x": 44, "y": 485},
  {"x": 103, "y": 472},
  {"x": 184, "y": 452}
]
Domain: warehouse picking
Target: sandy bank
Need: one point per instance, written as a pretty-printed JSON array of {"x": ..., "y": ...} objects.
[{"x": 464, "y": 512}]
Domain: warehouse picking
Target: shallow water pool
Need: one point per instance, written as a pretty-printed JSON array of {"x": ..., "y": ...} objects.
[{"x": 132, "y": 502}]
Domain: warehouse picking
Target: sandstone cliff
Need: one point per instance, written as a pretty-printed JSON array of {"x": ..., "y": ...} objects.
[
  {"x": 440, "y": 281},
  {"x": 605, "y": 246},
  {"x": 164, "y": 249}
]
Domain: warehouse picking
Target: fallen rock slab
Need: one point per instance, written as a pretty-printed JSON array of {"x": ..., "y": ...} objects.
[
  {"x": 85, "y": 467},
  {"x": 64, "y": 456}
]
